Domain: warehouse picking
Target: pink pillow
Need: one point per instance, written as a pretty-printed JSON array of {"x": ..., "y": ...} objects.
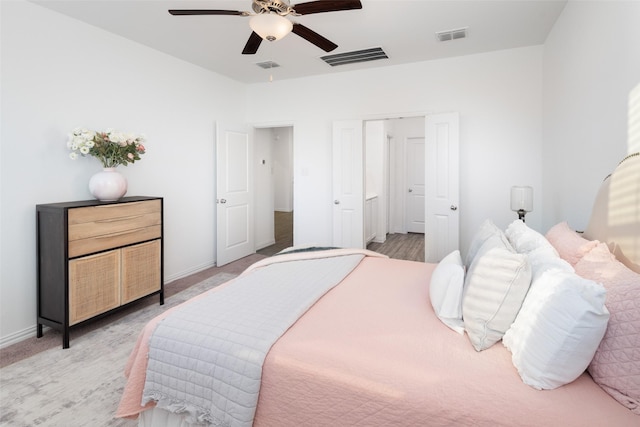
[
  {"x": 569, "y": 244},
  {"x": 601, "y": 266},
  {"x": 616, "y": 364}
]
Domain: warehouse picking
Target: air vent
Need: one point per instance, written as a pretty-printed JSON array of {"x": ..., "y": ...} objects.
[
  {"x": 267, "y": 65},
  {"x": 355, "y": 56},
  {"x": 460, "y": 33}
]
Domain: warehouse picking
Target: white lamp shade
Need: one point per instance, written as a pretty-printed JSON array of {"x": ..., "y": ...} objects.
[
  {"x": 270, "y": 26},
  {"x": 522, "y": 198}
]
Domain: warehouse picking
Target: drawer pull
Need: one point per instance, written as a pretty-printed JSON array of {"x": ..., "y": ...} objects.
[{"x": 122, "y": 218}]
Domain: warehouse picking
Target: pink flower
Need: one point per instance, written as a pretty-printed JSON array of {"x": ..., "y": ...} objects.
[
  {"x": 130, "y": 156},
  {"x": 140, "y": 148}
]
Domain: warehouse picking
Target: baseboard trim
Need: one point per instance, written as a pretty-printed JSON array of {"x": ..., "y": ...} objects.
[
  {"x": 18, "y": 336},
  {"x": 189, "y": 272},
  {"x": 30, "y": 332}
]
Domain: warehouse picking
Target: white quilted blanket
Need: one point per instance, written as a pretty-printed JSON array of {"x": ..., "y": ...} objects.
[{"x": 206, "y": 359}]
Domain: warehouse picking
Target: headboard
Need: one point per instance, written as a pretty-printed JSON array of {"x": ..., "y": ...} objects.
[{"x": 615, "y": 218}]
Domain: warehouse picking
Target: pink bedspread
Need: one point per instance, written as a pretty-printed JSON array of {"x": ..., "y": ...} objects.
[{"x": 372, "y": 353}]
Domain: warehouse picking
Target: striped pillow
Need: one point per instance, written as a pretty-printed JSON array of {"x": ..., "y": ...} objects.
[{"x": 495, "y": 286}]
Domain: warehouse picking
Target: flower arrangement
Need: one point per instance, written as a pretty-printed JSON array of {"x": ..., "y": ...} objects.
[{"x": 112, "y": 148}]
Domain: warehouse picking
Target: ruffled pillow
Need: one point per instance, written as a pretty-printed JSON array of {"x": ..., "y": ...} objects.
[
  {"x": 542, "y": 255},
  {"x": 558, "y": 329}
]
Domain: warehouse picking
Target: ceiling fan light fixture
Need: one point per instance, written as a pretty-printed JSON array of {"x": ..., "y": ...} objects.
[{"x": 270, "y": 26}]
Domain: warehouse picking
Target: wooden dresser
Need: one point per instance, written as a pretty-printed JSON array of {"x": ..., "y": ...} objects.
[{"x": 94, "y": 257}]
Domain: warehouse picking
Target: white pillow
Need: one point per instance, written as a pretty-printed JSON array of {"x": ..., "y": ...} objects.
[
  {"x": 486, "y": 230},
  {"x": 495, "y": 286},
  {"x": 558, "y": 329},
  {"x": 525, "y": 239},
  {"x": 445, "y": 291},
  {"x": 541, "y": 253}
]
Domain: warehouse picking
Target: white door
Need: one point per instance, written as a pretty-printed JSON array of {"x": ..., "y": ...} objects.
[
  {"x": 234, "y": 194},
  {"x": 415, "y": 184},
  {"x": 441, "y": 186},
  {"x": 348, "y": 183}
]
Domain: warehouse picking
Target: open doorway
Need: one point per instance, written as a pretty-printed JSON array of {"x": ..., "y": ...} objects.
[
  {"x": 394, "y": 187},
  {"x": 274, "y": 189}
]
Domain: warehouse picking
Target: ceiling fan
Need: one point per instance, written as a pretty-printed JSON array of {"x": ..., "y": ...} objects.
[{"x": 269, "y": 22}]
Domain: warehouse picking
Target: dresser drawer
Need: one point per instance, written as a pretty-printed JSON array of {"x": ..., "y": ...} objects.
[
  {"x": 108, "y": 241},
  {"x": 98, "y": 228}
]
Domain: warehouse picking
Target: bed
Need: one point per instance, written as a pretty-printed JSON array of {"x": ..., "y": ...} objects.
[{"x": 392, "y": 342}]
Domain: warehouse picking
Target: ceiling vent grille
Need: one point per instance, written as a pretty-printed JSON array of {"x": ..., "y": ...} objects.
[
  {"x": 460, "y": 33},
  {"x": 355, "y": 56},
  {"x": 267, "y": 65}
]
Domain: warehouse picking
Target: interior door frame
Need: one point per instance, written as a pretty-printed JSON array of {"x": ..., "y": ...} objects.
[
  {"x": 392, "y": 116},
  {"x": 284, "y": 124}
]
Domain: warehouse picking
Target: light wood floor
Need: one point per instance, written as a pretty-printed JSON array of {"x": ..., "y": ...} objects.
[{"x": 400, "y": 246}]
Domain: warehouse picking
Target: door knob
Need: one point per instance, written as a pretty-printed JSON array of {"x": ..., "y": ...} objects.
[
  {"x": 223, "y": 200},
  {"x": 336, "y": 202},
  {"x": 454, "y": 208},
  {"x": 411, "y": 190}
]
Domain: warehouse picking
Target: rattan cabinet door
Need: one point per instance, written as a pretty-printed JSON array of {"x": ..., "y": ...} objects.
[
  {"x": 94, "y": 285},
  {"x": 140, "y": 270}
]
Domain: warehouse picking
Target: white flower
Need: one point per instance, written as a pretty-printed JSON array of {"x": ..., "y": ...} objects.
[
  {"x": 115, "y": 137},
  {"x": 111, "y": 148}
]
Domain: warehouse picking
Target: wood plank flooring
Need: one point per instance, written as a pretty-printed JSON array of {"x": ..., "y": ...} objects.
[
  {"x": 408, "y": 246},
  {"x": 400, "y": 246}
]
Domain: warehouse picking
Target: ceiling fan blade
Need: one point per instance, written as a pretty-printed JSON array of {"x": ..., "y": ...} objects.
[
  {"x": 313, "y": 37},
  {"x": 207, "y": 12},
  {"x": 320, "y": 6},
  {"x": 252, "y": 44}
]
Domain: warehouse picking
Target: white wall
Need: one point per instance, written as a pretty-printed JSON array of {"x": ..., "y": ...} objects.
[
  {"x": 283, "y": 169},
  {"x": 59, "y": 73},
  {"x": 591, "y": 64},
  {"x": 498, "y": 95},
  {"x": 264, "y": 228},
  {"x": 375, "y": 174}
]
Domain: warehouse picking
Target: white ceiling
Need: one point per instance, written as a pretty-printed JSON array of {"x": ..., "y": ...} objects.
[{"x": 405, "y": 29}]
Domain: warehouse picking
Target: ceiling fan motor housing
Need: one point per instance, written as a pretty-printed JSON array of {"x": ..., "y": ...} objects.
[{"x": 281, "y": 7}]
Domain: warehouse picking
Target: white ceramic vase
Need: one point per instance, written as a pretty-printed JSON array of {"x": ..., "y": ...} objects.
[{"x": 108, "y": 185}]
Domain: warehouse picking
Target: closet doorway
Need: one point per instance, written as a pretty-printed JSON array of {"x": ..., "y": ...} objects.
[
  {"x": 441, "y": 181},
  {"x": 397, "y": 186},
  {"x": 274, "y": 189}
]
